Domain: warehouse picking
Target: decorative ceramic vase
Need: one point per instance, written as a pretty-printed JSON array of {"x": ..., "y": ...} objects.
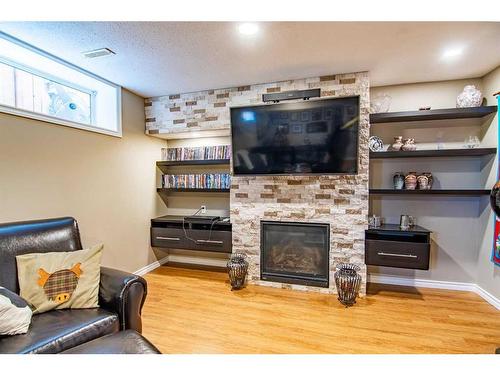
[
  {"x": 398, "y": 180},
  {"x": 430, "y": 179},
  {"x": 375, "y": 143},
  {"x": 380, "y": 104},
  {"x": 237, "y": 268},
  {"x": 470, "y": 97},
  {"x": 423, "y": 182},
  {"x": 348, "y": 282},
  {"x": 411, "y": 181},
  {"x": 398, "y": 143},
  {"x": 409, "y": 145}
]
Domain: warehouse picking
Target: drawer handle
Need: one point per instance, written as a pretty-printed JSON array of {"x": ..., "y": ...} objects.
[
  {"x": 397, "y": 255},
  {"x": 168, "y": 238},
  {"x": 213, "y": 242}
]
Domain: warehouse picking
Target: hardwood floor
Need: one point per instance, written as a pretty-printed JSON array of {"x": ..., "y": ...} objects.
[{"x": 194, "y": 311}]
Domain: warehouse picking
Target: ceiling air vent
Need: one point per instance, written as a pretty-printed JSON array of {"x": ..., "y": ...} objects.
[{"x": 98, "y": 53}]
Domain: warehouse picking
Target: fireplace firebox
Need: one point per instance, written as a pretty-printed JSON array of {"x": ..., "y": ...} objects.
[{"x": 295, "y": 253}]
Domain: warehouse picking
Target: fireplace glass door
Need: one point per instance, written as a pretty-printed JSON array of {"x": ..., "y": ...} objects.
[{"x": 295, "y": 253}]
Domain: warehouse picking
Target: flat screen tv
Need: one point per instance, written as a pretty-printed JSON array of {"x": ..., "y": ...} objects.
[{"x": 309, "y": 137}]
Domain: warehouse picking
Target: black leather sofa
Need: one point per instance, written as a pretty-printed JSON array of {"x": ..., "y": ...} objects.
[{"x": 121, "y": 294}]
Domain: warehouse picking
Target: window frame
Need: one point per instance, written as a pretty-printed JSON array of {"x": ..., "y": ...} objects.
[{"x": 93, "y": 126}]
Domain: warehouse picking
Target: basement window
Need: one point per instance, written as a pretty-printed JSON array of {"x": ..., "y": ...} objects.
[{"x": 37, "y": 85}]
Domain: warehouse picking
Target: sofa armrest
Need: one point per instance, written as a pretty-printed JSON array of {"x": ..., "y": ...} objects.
[{"x": 123, "y": 293}]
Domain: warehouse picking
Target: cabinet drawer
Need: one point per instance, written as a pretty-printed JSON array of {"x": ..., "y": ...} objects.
[
  {"x": 168, "y": 237},
  {"x": 201, "y": 240},
  {"x": 397, "y": 254}
]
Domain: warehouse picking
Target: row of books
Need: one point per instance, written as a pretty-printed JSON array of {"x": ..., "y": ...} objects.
[
  {"x": 196, "y": 153},
  {"x": 197, "y": 181}
]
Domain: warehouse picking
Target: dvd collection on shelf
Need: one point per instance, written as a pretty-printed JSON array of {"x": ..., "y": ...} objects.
[
  {"x": 196, "y": 153},
  {"x": 197, "y": 181}
]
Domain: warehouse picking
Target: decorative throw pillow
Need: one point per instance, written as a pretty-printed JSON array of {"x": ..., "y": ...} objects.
[
  {"x": 60, "y": 280},
  {"x": 15, "y": 314}
]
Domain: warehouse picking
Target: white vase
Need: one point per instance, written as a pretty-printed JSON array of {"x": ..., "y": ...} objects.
[
  {"x": 470, "y": 97},
  {"x": 380, "y": 104}
]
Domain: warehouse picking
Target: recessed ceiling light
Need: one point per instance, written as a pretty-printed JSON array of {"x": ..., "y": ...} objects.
[
  {"x": 248, "y": 28},
  {"x": 452, "y": 53},
  {"x": 98, "y": 53}
]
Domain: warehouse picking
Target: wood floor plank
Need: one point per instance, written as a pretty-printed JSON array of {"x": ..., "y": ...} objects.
[{"x": 194, "y": 311}]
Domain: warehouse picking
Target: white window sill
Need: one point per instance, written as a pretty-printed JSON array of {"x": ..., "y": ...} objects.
[{"x": 58, "y": 121}]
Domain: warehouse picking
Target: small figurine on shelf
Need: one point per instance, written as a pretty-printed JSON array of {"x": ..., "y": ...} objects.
[
  {"x": 430, "y": 179},
  {"x": 423, "y": 182},
  {"x": 398, "y": 180},
  {"x": 411, "y": 181},
  {"x": 374, "y": 221},
  {"x": 409, "y": 145},
  {"x": 398, "y": 143}
]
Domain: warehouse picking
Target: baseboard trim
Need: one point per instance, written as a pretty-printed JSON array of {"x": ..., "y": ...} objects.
[
  {"x": 435, "y": 284},
  {"x": 188, "y": 261},
  {"x": 150, "y": 267},
  {"x": 488, "y": 297},
  {"x": 196, "y": 266}
]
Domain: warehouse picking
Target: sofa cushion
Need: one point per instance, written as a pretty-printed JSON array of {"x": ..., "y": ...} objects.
[
  {"x": 60, "y": 280},
  {"x": 58, "y": 330},
  {"x": 123, "y": 342},
  {"x": 15, "y": 314}
]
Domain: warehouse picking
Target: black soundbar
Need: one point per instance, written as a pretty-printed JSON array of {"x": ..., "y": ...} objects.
[{"x": 289, "y": 95}]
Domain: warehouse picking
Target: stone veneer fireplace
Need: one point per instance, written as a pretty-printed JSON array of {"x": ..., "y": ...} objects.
[{"x": 341, "y": 201}]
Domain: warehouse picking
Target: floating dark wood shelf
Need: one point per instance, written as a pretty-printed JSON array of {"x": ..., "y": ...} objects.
[
  {"x": 433, "y": 153},
  {"x": 165, "y": 165},
  {"x": 463, "y": 192},
  {"x": 193, "y": 190},
  {"x": 432, "y": 114},
  {"x": 192, "y": 162}
]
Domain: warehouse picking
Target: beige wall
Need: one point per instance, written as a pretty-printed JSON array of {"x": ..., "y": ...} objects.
[
  {"x": 107, "y": 183},
  {"x": 461, "y": 238}
]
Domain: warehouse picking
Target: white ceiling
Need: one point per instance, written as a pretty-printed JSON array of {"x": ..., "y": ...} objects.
[{"x": 160, "y": 58}]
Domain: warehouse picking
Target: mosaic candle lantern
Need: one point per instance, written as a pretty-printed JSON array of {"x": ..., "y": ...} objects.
[
  {"x": 237, "y": 268},
  {"x": 348, "y": 282}
]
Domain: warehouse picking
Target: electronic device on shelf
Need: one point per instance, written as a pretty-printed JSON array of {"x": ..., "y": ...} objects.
[
  {"x": 296, "y": 138},
  {"x": 290, "y": 95},
  {"x": 201, "y": 219}
]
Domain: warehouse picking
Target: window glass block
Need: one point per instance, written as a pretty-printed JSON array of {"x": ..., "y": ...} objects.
[
  {"x": 64, "y": 102},
  {"x": 40, "y": 95},
  {"x": 7, "y": 92},
  {"x": 24, "y": 90}
]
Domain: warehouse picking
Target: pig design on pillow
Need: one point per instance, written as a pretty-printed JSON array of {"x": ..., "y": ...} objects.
[{"x": 60, "y": 285}]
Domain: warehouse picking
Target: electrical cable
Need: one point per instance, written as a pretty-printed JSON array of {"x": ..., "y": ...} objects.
[
  {"x": 184, "y": 228},
  {"x": 214, "y": 221}
]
